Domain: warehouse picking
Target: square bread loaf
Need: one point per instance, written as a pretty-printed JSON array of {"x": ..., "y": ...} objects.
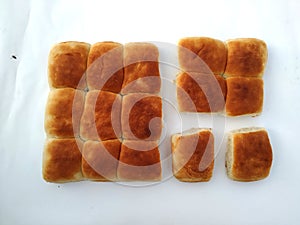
[
  {"x": 67, "y": 65},
  {"x": 202, "y": 93},
  {"x": 247, "y": 57},
  {"x": 101, "y": 116},
  {"x": 237, "y": 60},
  {"x": 249, "y": 154},
  {"x": 244, "y": 96},
  {"x": 193, "y": 155},
  {"x": 63, "y": 112},
  {"x": 85, "y": 104},
  {"x": 62, "y": 160},
  {"x": 105, "y": 67},
  {"x": 194, "y": 50},
  {"x": 141, "y": 68},
  {"x": 100, "y": 160},
  {"x": 139, "y": 161},
  {"x": 141, "y": 116}
]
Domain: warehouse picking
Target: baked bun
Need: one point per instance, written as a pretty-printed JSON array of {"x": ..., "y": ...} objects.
[
  {"x": 100, "y": 160},
  {"x": 105, "y": 67},
  {"x": 244, "y": 96},
  {"x": 141, "y": 68},
  {"x": 101, "y": 116},
  {"x": 200, "y": 92},
  {"x": 193, "y": 155},
  {"x": 63, "y": 112},
  {"x": 62, "y": 160},
  {"x": 211, "y": 51},
  {"x": 247, "y": 57},
  {"x": 141, "y": 117},
  {"x": 139, "y": 161},
  {"x": 67, "y": 65},
  {"x": 249, "y": 154}
]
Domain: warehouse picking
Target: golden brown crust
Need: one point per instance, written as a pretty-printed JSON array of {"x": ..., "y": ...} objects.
[
  {"x": 141, "y": 117},
  {"x": 63, "y": 112},
  {"x": 201, "y": 92},
  {"x": 244, "y": 96},
  {"x": 67, "y": 65},
  {"x": 247, "y": 57},
  {"x": 193, "y": 156},
  {"x": 139, "y": 161},
  {"x": 252, "y": 156},
  {"x": 100, "y": 160},
  {"x": 105, "y": 67},
  {"x": 62, "y": 160},
  {"x": 141, "y": 71},
  {"x": 212, "y": 51},
  {"x": 101, "y": 116}
]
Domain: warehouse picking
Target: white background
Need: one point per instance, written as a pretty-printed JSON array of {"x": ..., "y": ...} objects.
[{"x": 29, "y": 29}]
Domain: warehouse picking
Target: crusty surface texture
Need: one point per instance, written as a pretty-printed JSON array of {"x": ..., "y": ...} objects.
[
  {"x": 63, "y": 112},
  {"x": 105, "y": 67},
  {"x": 62, "y": 160},
  {"x": 200, "y": 92},
  {"x": 101, "y": 116},
  {"x": 212, "y": 51},
  {"x": 67, "y": 65},
  {"x": 250, "y": 157},
  {"x": 247, "y": 57},
  {"x": 141, "y": 68},
  {"x": 193, "y": 156},
  {"x": 100, "y": 160},
  {"x": 141, "y": 117},
  {"x": 139, "y": 161},
  {"x": 244, "y": 96}
]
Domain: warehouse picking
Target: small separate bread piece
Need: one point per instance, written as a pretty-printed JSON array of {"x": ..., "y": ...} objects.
[
  {"x": 63, "y": 112},
  {"x": 141, "y": 70},
  {"x": 105, "y": 67},
  {"x": 193, "y": 155},
  {"x": 247, "y": 57},
  {"x": 100, "y": 160},
  {"x": 67, "y": 65},
  {"x": 141, "y": 117},
  {"x": 244, "y": 96},
  {"x": 200, "y": 92},
  {"x": 101, "y": 116},
  {"x": 212, "y": 51},
  {"x": 62, "y": 160},
  {"x": 249, "y": 154},
  {"x": 139, "y": 161}
]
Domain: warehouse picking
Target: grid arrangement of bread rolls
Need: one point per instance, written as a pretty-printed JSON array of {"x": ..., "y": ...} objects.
[
  {"x": 101, "y": 102},
  {"x": 104, "y": 112},
  {"x": 237, "y": 86}
]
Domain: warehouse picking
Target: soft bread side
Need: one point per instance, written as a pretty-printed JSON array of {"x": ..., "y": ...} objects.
[
  {"x": 193, "y": 155},
  {"x": 249, "y": 154}
]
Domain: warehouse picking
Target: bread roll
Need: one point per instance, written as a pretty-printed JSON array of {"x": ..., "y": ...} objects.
[
  {"x": 63, "y": 112},
  {"x": 100, "y": 160},
  {"x": 249, "y": 154},
  {"x": 67, "y": 65},
  {"x": 200, "y": 92},
  {"x": 101, "y": 116},
  {"x": 139, "y": 161},
  {"x": 105, "y": 67},
  {"x": 141, "y": 117},
  {"x": 244, "y": 96},
  {"x": 62, "y": 160},
  {"x": 141, "y": 71},
  {"x": 193, "y": 155},
  {"x": 211, "y": 51},
  {"x": 247, "y": 57}
]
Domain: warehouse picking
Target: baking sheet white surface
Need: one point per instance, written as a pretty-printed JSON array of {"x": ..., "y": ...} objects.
[{"x": 29, "y": 29}]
